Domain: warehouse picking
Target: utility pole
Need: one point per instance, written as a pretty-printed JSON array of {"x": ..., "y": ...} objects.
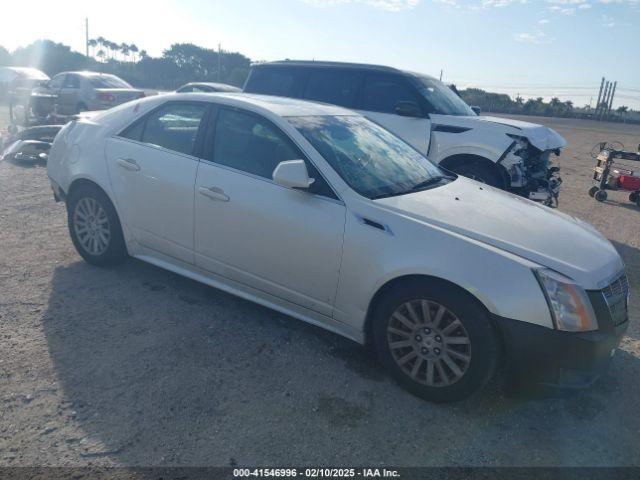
[
  {"x": 604, "y": 100},
  {"x": 440, "y": 74},
  {"x": 599, "y": 96},
  {"x": 219, "y": 60},
  {"x": 613, "y": 92},
  {"x": 86, "y": 35}
]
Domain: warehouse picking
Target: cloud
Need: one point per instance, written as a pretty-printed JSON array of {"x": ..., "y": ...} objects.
[
  {"x": 536, "y": 37},
  {"x": 389, "y": 5}
]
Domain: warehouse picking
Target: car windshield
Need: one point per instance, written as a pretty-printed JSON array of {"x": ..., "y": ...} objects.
[
  {"x": 373, "y": 161},
  {"x": 441, "y": 98},
  {"x": 108, "y": 81}
]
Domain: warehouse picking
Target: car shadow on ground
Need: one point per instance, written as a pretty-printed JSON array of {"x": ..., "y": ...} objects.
[{"x": 160, "y": 370}]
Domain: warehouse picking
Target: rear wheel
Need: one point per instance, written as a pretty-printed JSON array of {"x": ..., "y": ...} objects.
[
  {"x": 94, "y": 227},
  {"x": 437, "y": 342},
  {"x": 593, "y": 190},
  {"x": 480, "y": 173},
  {"x": 634, "y": 196}
]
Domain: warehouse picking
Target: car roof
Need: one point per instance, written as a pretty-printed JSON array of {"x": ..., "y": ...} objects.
[
  {"x": 87, "y": 73},
  {"x": 347, "y": 65},
  {"x": 281, "y": 106},
  {"x": 27, "y": 72},
  {"x": 328, "y": 64}
]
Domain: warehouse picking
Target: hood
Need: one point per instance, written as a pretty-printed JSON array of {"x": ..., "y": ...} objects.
[
  {"x": 541, "y": 137},
  {"x": 516, "y": 225}
]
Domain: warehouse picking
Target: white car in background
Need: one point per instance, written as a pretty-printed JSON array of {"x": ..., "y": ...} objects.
[
  {"x": 75, "y": 92},
  {"x": 425, "y": 113},
  {"x": 321, "y": 214}
]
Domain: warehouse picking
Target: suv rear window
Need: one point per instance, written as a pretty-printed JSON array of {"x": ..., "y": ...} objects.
[{"x": 338, "y": 87}]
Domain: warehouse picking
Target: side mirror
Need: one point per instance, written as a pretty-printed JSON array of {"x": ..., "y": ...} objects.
[
  {"x": 408, "y": 109},
  {"x": 476, "y": 109},
  {"x": 292, "y": 174}
]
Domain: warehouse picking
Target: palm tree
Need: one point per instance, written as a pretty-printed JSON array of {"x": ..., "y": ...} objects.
[
  {"x": 143, "y": 54},
  {"x": 134, "y": 50},
  {"x": 101, "y": 55},
  {"x": 92, "y": 45},
  {"x": 124, "y": 48},
  {"x": 622, "y": 111}
]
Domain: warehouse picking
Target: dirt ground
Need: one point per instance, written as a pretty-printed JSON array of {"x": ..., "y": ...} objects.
[{"x": 137, "y": 366}]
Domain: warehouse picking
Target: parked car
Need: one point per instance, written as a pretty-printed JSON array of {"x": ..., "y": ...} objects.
[
  {"x": 428, "y": 115},
  {"x": 207, "y": 87},
  {"x": 13, "y": 78},
  {"x": 16, "y": 85},
  {"x": 81, "y": 91},
  {"x": 321, "y": 214}
]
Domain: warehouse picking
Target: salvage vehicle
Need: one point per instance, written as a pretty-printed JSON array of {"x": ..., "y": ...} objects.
[
  {"x": 508, "y": 154},
  {"x": 29, "y": 144},
  {"x": 321, "y": 214},
  {"x": 207, "y": 87},
  {"x": 74, "y": 92}
]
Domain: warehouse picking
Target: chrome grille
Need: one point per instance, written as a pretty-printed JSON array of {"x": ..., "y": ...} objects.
[
  {"x": 618, "y": 287},
  {"x": 616, "y": 295}
]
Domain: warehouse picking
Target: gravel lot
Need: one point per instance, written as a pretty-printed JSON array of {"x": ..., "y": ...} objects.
[{"x": 137, "y": 366}]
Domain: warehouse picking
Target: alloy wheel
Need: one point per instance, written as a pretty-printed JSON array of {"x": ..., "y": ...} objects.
[
  {"x": 91, "y": 225},
  {"x": 429, "y": 343}
]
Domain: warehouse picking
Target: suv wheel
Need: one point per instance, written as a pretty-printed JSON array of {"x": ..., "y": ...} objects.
[
  {"x": 94, "y": 227},
  {"x": 437, "y": 342}
]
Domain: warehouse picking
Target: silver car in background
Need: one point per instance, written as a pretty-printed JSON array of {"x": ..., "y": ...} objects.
[{"x": 75, "y": 92}]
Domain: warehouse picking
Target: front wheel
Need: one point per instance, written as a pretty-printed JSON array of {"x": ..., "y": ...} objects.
[
  {"x": 437, "y": 342},
  {"x": 94, "y": 227},
  {"x": 601, "y": 195},
  {"x": 593, "y": 190}
]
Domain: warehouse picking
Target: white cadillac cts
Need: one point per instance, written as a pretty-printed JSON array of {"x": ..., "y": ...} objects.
[{"x": 315, "y": 211}]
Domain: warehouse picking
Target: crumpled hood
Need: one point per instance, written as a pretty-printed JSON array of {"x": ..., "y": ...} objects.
[
  {"x": 539, "y": 234},
  {"x": 541, "y": 137}
]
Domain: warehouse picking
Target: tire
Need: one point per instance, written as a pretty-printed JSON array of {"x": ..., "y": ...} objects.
[
  {"x": 430, "y": 376},
  {"x": 481, "y": 174},
  {"x": 593, "y": 190},
  {"x": 634, "y": 196},
  {"x": 94, "y": 227},
  {"x": 601, "y": 195}
]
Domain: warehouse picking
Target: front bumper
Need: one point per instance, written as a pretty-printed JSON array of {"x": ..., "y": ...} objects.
[{"x": 540, "y": 356}]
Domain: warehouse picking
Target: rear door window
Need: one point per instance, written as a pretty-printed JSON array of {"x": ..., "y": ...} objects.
[
  {"x": 382, "y": 92},
  {"x": 282, "y": 82},
  {"x": 338, "y": 87},
  {"x": 174, "y": 127}
]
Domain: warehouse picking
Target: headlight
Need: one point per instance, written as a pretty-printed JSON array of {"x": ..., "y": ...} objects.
[
  {"x": 568, "y": 302},
  {"x": 521, "y": 146}
]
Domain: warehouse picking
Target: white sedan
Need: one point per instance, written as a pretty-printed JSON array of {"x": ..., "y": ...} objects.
[{"x": 318, "y": 213}]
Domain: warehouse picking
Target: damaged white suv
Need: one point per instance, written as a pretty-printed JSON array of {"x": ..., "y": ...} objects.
[{"x": 428, "y": 115}]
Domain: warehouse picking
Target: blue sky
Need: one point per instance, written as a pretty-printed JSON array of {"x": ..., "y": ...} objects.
[{"x": 531, "y": 47}]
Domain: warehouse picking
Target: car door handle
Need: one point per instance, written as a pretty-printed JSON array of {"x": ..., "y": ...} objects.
[
  {"x": 128, "y": 164},
  {"x": 214, "y": 193}
]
